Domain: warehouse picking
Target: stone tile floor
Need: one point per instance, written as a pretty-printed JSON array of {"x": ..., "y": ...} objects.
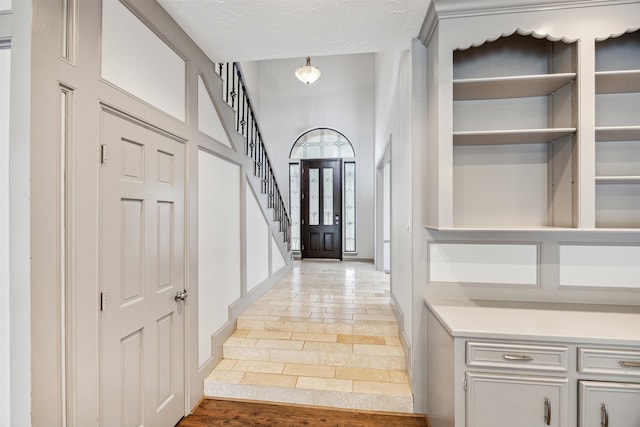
[{"x": 324, "y": 335}]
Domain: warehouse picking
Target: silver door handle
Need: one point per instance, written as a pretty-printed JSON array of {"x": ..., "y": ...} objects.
[
  {"x": 519, "y": 357},
  {"x": 604, "y": 415},
  {"x": 181, "y": 295},
  {"x": 547, "y": 412},
  {"x": 629, "y": 364}
]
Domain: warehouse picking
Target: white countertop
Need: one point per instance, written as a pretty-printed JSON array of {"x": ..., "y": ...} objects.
[{"x": 520, "y": 321}]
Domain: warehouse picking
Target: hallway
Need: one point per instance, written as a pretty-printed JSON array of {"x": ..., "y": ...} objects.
[{"x": 325, "y": 335}]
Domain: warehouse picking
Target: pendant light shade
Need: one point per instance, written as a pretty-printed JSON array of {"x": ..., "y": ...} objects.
[{"x": 308, "y": 73}]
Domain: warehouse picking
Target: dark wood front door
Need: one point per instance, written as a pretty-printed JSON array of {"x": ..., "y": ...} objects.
[{"x": 322, "y": 209}]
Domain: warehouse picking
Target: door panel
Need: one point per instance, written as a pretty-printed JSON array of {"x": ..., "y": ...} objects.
[
  {"x": 609, "y": 404},
  {"x": 141, "y": 270},
  {"x": 321, "y": 209}
]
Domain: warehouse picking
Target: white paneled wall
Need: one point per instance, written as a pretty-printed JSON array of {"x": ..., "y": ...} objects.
[
  {"x": 5, "y": 4},
  {"x": 606, "y": 266},
  {"x": 135, "y": 59},
  {"x": 5, "y": 66},
  {"x": 219, "y": 252},
  {"x": 208, "y": 119},
  {"x": 257, "y": 242}
]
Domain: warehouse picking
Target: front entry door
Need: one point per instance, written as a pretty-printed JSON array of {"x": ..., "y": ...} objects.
[
  {"x": 322, "y": 209},
  {"x": 141, "y": 276}
]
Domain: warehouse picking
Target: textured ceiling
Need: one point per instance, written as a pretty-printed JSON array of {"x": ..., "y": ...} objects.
[{"x": 246, "y": 30}]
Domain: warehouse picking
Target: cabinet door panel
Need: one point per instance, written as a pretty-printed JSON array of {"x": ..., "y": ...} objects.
[
  {"x": 495, "y": 400},
  {"x": 621, "y": 401}
]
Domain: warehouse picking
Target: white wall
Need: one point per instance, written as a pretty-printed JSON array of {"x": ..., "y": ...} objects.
[
  {"x": 5, "y": 349},
  {"x": 219, "y": 237},
  {"x": 15, "y": 338},
  {"x": 258, "y": 240},
  {"x": 342, "y": 99}
]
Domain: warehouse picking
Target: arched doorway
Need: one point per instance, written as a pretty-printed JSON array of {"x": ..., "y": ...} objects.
[{"x": 322, "y": 203}]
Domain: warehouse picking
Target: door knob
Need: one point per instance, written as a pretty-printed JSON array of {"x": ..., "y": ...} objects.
[{"x": 181, "y": 295}]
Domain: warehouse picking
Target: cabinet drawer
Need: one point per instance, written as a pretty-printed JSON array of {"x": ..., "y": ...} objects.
[
  {"x": 609, "y": 361},
  {"x": 517, "y": 356}
]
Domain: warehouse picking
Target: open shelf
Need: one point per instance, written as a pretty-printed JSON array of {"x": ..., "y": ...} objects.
[
  {"x": 510, "y": 87},
  {"x": 617, "y": 87},
  {"x": 624, "y": 81},
  {"x": 617, "y": 179},
  {"x": 514, "y": 135},
  {"x": 618, "y": 133},
  {"x": 521, "y": 136}
]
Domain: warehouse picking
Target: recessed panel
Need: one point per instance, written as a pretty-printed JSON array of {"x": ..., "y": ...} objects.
[
  {"x": 131, "y": 392},
  {"x": 328, "y": 241},
  {"x": 132, "y": 253},
  {"x": 165, "y": 167},
  {"x": 208, "y": 119},
  {"x": 165, "y": 244},
  {"x": 599, "y": 265},
  {"x": 315, "y": 242},
  {"x": 132, "y": 160},
  {"x": 165, "y": 359},
  {"x": 513, "y": 264},
  {"x": 135, "y": 59}
]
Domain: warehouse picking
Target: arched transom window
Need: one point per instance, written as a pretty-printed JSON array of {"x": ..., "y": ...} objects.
[{"x": 323, "y": 143}]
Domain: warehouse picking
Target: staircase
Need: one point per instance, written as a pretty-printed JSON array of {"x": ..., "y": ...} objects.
[
  {"x": 320, "y": 339},
  {"x": 248, "y": 139}
]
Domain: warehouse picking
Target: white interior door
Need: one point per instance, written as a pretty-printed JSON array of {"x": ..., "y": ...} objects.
[{"x": 141, "y": 274}]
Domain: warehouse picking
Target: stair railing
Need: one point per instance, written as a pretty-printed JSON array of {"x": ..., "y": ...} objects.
[{"x": 235, "y": 94}]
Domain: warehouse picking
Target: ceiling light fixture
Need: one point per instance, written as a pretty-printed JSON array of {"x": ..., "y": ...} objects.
[{"x": 308, "y": 73}]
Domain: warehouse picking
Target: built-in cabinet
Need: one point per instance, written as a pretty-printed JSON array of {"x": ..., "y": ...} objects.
[
  {"x": 533, "y": 118},
  {"x": 529, "y": 365}
]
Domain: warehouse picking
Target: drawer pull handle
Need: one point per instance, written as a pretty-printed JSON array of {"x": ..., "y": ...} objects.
[
  {"x": 604, "y": 415},
  {"x": 547, "y": 412},
  {"x": 630, "y": 364},
  {"x": 518, "y": 357}
]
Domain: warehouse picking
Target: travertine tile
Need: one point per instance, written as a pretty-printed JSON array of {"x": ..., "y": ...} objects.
[
  {"x": 226, "y": 364},
  {"x": 344, "y": 400},
  {"x": 328, "y": 347},
  {"x": 399, "y": 376},
  {"x": 331, "y": 384},
  {"x": 329, "y": 326},
  {"x": 257, "y": 378},
  {"x": 258, "y": 366},
  {"x": 277, "y": 335},
  {"x": 361, "y": 339},
  {"x": 388, "y": 350},
  {"x": 286, "y": 395},
  {"x": 230, "y": 377},
  {"x": 392, "y": 341},
  {"x": 314, "y": 337},
  {"x": 321, "y": 371},
  {"x": 294, "y": 356},
  {"x": 384, "y": 388},
  {"x": 280, "y": 344},
  {"x": 363, "y": 374}
]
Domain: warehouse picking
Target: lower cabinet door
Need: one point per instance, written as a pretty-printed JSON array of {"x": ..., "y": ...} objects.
[
  {"x": 496, "y": 400},
  {"x": 609, "y": 404}
]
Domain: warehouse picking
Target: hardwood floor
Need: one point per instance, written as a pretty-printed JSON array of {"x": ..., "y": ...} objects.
[{"x": 214, "y": 412}]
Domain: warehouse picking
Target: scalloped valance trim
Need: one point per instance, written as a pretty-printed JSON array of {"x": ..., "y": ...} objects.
[
  {"x": 521, "y": 32},
  {"x": 616, "y": 35}
]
